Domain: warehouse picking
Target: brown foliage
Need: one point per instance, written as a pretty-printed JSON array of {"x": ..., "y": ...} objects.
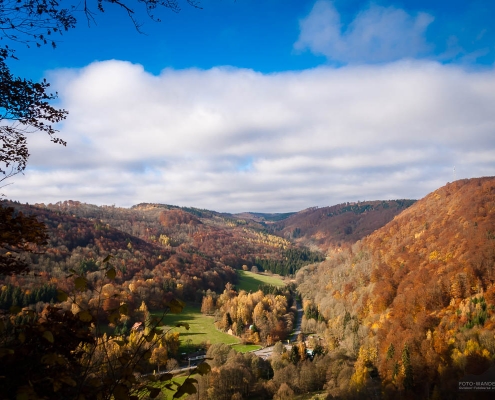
[
  {"x": 339, "y": 225},
  {"x": 18, "y": 233},
  {"x": 432, "y": 275}
]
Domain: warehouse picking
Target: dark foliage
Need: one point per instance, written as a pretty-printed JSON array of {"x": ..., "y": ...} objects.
[
  {"x": 292, "y": 260},
  {"x": 18, "y": 233}
]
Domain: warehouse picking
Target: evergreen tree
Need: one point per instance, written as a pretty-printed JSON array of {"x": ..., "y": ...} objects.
[
  {"x": 407, "y": 368},
  {"x": 390, "y": 351}
]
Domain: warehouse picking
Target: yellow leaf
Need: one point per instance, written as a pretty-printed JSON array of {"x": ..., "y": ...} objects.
[
  {"x": 80, "y": 283},
  {"x": 68, "y": 380},
  {"x": 4, "y": 352},
  {"x": 124, "y": 359},
  {"x": 113, "y": 316},
  {"x": 184, "y": 324},
  {"x": 107, "y": 258},
  {"x": 176, "y": 306},
  {"x": 48, "y": 336},
  {"x": 26, "y": 393},
  {"x": 61, "y": 295},
  {"x": 121, "y": 392},
  {"x": 124, "y": 309},
  {"x": 111, "y": 273},
  {"x": 186, "y": 388},
  {"x": 203, "y": 368},
  {"x": 57, "y": 385},
  {"x": 149, "y": 337},
  {"x": 154, "y": 392},
  {"x": 15, "y": 310},
  {"x": 165, "y": 377},
  {"x": 49, "y": 359},
  {"x": 22, "y": 337},
  {"x": 84, "y": 316}
]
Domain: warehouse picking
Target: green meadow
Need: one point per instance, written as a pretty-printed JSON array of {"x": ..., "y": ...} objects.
[
  {"x": 250, "y": 281},
  {"x": 244, "y": 348},
  {"x": 201, "y": 328}
]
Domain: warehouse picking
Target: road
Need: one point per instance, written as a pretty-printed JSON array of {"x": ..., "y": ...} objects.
[
  {"x": 297, "y": 329},
  {"x": 266, "y": 352}
]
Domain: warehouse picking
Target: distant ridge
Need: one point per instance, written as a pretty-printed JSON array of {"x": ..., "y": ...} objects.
[
  {"x": 264, "y": 217},
  {"x": 338, "y": 225}
]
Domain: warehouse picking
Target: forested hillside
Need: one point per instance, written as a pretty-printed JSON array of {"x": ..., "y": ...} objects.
[
  {"x": 414, "y": 302},
  {"x": 160, "y": 249},
  {"x": 101, "y": 270},
  {"x": 407, "y": 311},
  {"x": 335, "y": 226}
]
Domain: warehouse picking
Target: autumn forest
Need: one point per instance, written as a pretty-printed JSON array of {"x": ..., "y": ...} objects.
[{"x": 396, "y": 299}]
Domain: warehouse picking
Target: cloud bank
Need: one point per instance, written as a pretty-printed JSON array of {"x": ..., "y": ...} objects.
[
  {"x": 377, "y": 34},
  {"x": 234, "y": 140}
]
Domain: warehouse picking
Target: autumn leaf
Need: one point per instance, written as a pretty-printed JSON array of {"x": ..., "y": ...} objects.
[
  {"x": 84, "y": 316},
  {"x": 61, "y": 295},
  {"x": 184, "y": 324},
  {"x": 124, "y": 309},
  {"x": 186, "y": 388},
  {"x": 15, "y": 310},
  {"x": 48, "y": 336},
  {"x": 121, "y": 392},
  {"x": 111, "y": 274},
  {"x": 203, "y": 368},
  {"x": 113, "y": 317},
  {"x": 166, "y": 377},
  {"x": 68, "y": 380},
  {"x": 5, "y": 352},
  {"x": 80, "y": 283},
  {"x": 176, "y": 306},
  {"x": 107, "y": 258},
  {"x": 154, "y": 392}
]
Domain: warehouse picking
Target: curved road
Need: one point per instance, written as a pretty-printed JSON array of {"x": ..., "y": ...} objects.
[
  {"x": 266, "y": 352},
  {"x": 297, "y": 329}
]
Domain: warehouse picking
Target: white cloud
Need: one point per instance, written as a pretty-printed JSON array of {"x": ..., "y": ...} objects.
[
  {"x": 377, "y": 34},
  {"x": 234, "y": 140}
]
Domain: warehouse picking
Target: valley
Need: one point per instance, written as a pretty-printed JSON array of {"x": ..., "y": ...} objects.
[{"x": 397, "y": 297}]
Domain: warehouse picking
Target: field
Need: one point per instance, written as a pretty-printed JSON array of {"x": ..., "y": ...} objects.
[
  {"x": 250, "y": 281},
  {"x": 201, "y": 328},
  {"x": 244, "y": 348}
]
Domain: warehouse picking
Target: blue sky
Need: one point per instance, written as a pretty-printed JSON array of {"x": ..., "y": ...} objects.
[
  {"x": 256, "y": 34},
  {"x": 268, "y": 105}
]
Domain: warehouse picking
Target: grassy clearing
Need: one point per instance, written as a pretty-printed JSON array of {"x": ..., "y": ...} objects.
[
  {"x": 201, "y": 328},
  {"x": 320, "y": 395},
  {"x": 249, "y": 281},
  {"x": 244, "y": 348},
  {"x": 167, "y": 392}
]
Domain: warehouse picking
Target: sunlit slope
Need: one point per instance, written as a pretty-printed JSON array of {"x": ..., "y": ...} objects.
[
  {"x": 423, "y": 282},
  {"x": 339, "y": 225}
]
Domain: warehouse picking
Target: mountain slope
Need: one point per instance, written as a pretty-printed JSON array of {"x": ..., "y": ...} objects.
[
  {"x": 340, "y": 224},
  {"x": 157, "y": 249},
  {"x": 415, "y": 300}
]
